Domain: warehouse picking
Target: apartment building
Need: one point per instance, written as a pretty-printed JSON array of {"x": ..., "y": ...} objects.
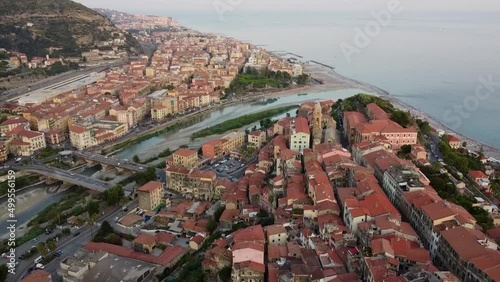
[
  {"x": 185, "y": 158},
  {"x": 232, "y": 141},
  {"x": 212, "y": 149},
  {"x": 192, "y": 184},
  {"x": 300, "y": 136},
  {"x": 150, "y": 195},
  {"x": 256, "y": 138}
]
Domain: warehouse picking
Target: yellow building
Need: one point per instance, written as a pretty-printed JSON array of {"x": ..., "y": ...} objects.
[
  {"x": 256, "y": 138},
  {"x": 163, "y": 108},
  {"x": 232, "y": 141},
  {"x": 150, "y": 195},
  {"x": 276, "y": 235},
  {"x": 185, "y": 158}
]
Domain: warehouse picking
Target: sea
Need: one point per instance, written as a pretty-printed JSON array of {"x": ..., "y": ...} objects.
[{"x": 445, "y": 64}]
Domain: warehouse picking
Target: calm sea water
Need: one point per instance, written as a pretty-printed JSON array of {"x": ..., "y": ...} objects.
[{"x": 432, "y": 61}]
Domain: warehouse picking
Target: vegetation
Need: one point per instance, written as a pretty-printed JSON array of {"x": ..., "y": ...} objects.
[
  {"x": 141, "y": 178},
  {"x": 48, "y": 152},
  {"x": 54, "y": 25},
  {"x": 58, "y": 213},
  {"x": 114, "y": 195},
  {"x": 56, "y": 68},
  {"x": 447, "y": 191},
  {"x": 240, "y": 122},
  {"x": 404, "y": 152},
  {"x": 359, "y": 102},
  {"x": 253, "y": 79},
  {"x": 21, "y": 182},
  {"x": 107, "y": 234},
  {"x": 459, "y": 159},
  {"x": 4, "y": 271}
]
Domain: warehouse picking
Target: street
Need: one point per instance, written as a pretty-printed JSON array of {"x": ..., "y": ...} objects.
[{"x": 68, "y": 245}]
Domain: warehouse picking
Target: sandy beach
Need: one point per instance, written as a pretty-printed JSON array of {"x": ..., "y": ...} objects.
[{"x": 333, "y": 81}]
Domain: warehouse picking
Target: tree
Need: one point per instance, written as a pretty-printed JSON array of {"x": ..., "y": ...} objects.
[
  {"x": 211, "y": 226},
  {"x": 464, "y": 144},
  {"x": 4, "y": 271},
  {"x": 92, "y": 207},
  {"x": 42, "y": 249},
  {"x": 51, "y": 245},
  {"x": 406, "y": 149},
  {"x": 225, "y": 274},
  {"x": 136, "y": 159},
  {"x": 92, "y": 221},
  {"x": 114, "y": 195},
  {"x": 106, "y": 228}
]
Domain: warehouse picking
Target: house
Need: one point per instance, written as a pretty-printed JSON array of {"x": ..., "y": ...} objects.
[
  {"x": 196, "y": 242},
  {"x": 276, "y": 235},
  {"x": 300, "y": 136},
  {"x": 144, "y": 243},
  {"x": 454, "y": 142},
  {"x": 480, "y": 178}
]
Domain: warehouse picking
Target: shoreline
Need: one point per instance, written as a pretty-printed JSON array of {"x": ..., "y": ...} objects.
[{"x": 333, "y": 81}]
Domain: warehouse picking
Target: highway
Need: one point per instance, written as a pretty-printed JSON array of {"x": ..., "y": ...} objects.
[
  {"x": 110, "y": 161},
  {"x": 65, "y": 176}
]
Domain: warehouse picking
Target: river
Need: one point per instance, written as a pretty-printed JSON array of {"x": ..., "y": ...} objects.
[
  {"x": 29, "y": 203},
  {"x": 180, "y": 135}
]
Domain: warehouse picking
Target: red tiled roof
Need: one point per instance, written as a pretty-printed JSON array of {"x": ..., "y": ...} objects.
[
  {"x": 185, "y": 152},
  {"x": 302, "y": 126},
  {"x": 151, "y": 186}
]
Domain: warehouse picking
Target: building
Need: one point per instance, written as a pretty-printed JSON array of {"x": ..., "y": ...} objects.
[
  {"x": 196, "y": 242},
  {"x": 150, "y": 195},
  {"x": 163, "y": 108},
  {"x": 185, "y": 158},
  {"x": 12, "y": 123},
  {"x": 25, "y": 142},
  {"x": 96, "y": 133},
  {"x": 144, "y": 243},
  {"x": 55, "y": 136},
  {"x": 232, "y": 141},
  {"x": 212, "y": 149},
  {"x": 454, "y": 142},
  {"x": 257, "y": 138},
  {"x": 300, "y": 136},
  {"x": 399, "y": 180},
  {"x": 386, "y": 129},
  {"x": 38, "y": 276},
  {"x": 276, "y": 235},
  {"x": 480, "y": 178},
  {"x": 4, "y": 152},
  {"x": 192, "y": 184}
]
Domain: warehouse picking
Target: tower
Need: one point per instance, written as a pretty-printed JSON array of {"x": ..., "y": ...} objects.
[{"x": 317, "y": 124}]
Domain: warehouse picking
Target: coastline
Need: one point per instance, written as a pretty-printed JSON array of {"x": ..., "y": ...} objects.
[{"x": 333, "y": 81}]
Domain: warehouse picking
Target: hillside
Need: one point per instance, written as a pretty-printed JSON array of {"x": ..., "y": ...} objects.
[{"x": 34, "y": 26}]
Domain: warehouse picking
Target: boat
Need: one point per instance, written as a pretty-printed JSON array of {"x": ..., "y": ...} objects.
[{"x": 303, "y": 94}]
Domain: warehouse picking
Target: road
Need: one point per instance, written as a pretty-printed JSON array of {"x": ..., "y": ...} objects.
[
  {"x": 13, "y": 93},
  {"x": 110, "y": 161},
  {"x": 65, "y": 176},
  {"x": 68, "y": 245}
]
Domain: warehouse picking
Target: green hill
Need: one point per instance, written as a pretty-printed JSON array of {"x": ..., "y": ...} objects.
[{"x": 33, "y": 26}]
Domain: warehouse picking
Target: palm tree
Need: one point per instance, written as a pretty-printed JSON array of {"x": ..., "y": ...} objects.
[{"x": 92, "y": 221}]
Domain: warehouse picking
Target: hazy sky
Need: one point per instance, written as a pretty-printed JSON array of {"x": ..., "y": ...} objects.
[{"x": 162, "y": 7}]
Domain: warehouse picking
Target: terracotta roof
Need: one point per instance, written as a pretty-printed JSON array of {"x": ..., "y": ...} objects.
[
  {"x": 302, "y": 126},
  {"x": 38, "y": 276},
  {"x": 151, "y": 186},
  {"x": 464, "y": 242},
  {"x": 475, "y": 174},
  {"x": 145, "y": 239},
  {"x": 185, "y": 152},
  {"x": 198, "y": 239},
  {"x": 275, "y": 229}
]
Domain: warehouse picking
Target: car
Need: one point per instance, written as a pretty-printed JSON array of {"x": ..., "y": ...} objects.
[
  {"x": 39, "y": 266},
  {"x": 21, "y": 257},
  {"x": 140, "y": 167},
  {"x": 106, "y": 184},
  {"x": 118, "y": 163},
  {"x": 72, "y": 174},
  {"x": 76, "y": 234}
]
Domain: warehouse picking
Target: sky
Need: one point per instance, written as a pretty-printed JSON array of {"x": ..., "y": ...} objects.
[{"x": 163, "y": 7}]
